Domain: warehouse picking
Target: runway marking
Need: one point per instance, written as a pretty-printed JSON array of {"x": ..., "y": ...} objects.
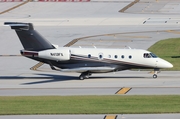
[
  {"x": 152, "y": 72},
  {"x": 113, "y": 34},
  {"x": 120, "y": 35},
  {"x": 10, "y": 55},
  {"x": 71, "y": 42},
  {"x": 15, "y": 7},
  {"x": 100, "y": 40},
  {"x": 62, "y": 1},
  {"x": 123, "y": 90},
  {"x": 173, "y": 31},
  {"x": 110, "y": 117},
  {"x": 129, "y": 5},
  {"x": 36, "y": 66}
]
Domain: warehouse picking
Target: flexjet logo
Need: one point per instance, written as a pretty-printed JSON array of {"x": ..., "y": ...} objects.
[{"x": 56, "y": 54}]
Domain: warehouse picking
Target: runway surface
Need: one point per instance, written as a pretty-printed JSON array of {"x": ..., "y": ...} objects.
[
  {"x": 57, "y": 83},
  {"x": 120, "y": 116}
]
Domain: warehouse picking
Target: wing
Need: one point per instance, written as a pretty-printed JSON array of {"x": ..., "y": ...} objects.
[{"x": 90, "y": 69}]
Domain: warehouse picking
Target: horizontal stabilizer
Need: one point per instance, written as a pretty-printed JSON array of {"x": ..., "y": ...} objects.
[{"x": 19, "y": 26}]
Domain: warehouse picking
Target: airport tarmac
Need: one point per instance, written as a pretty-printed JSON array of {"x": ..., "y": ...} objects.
[
  {"x": 58, "y": 83},
  {"x": 100, "y": 116}
]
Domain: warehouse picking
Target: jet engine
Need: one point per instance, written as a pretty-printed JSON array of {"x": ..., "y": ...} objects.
[{"x": 55, "y": 54}]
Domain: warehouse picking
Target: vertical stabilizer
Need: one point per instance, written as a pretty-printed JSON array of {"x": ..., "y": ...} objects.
[{"x": 30, "y": 39}]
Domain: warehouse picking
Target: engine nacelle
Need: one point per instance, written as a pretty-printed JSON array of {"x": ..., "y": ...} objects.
[{"x": 55, "y": 54}]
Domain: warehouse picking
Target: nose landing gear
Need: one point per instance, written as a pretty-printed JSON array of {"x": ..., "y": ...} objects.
[{"x": 155, "y": 73}]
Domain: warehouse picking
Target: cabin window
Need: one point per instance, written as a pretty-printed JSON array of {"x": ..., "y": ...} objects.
[
  {"x": 122, "y": 56},
  {"x": 115, "y": 56},
  {"x": 109, "y": 56},
  {"x": 130, "y": 56},
  {"x": 100, "y": 56},
  {"x": 89, "y": 56}
]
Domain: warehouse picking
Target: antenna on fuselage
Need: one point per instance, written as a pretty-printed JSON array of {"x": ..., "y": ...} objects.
[{"x": 128, "y": 47}]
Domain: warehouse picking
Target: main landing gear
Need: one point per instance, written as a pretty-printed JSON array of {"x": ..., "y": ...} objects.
[{"x": 84, "y": 75}]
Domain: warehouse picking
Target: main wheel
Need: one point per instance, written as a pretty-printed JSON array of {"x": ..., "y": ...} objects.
[
  {"x": 154, "y": 76},
  {"x": 81, "y": 77}
]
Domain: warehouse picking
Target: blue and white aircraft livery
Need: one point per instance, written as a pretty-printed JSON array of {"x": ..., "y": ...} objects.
[{"x": 84, "y": 60}]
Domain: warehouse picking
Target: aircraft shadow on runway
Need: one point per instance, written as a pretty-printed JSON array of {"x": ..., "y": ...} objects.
[
  {"x": 44, "y": 77},
  {"x": 57, "y": 78}
]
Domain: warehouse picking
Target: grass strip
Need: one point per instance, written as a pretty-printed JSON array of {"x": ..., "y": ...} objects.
[
  {"x": 89, "y": 104},
  {"x": 168, "y": 49}
]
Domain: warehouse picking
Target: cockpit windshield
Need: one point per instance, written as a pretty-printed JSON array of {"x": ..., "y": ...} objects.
[
  {"x": 149, "y": 55},
  {"x": 153, "y": 55}
]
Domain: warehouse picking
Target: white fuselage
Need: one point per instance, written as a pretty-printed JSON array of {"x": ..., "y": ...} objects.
[{"x": 133, "y": 57}]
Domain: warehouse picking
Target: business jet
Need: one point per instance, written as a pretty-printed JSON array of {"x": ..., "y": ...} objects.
[{"x": 84, "y": 60}]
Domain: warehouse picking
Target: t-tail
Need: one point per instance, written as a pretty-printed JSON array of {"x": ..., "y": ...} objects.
[{"x": 30, "y": 39}]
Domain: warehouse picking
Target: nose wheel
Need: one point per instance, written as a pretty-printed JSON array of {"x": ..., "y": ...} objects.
[{"x": 155, "y": 76}]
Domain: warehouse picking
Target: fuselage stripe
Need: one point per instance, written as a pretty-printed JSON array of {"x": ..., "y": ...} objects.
[{"x": 104, "y": 60}]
